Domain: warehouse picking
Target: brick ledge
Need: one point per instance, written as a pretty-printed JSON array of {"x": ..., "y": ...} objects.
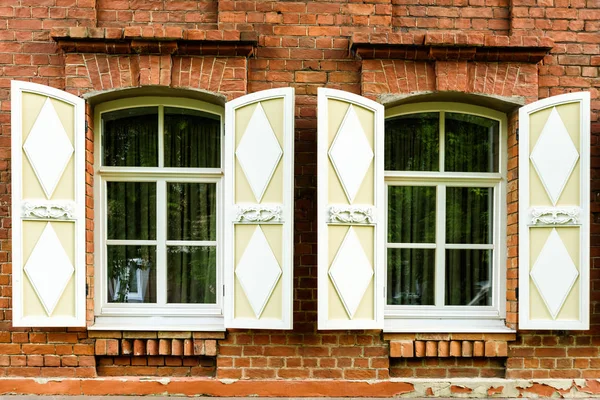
[
  {"x": 459, "y": 387},
  {"x": 409, "y": 345},
  {"x": 450, "y": 46},
  {"x": 155, "y": 40}
]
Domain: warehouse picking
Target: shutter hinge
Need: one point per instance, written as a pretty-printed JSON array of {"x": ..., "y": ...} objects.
[
  {"x": 87, "y": 289},
  {"x": 517, "y": 293},
  {"x": 86, "y": 126},
  {"x": 223, "y": 290},
  {"x": 517, "y": 131}
]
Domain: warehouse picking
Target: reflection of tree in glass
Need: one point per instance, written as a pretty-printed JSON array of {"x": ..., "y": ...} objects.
[
  {"x": 471, "y": 143},
  {"x": 191, "y": 215},
  {"x": 123, "y": 264},
  {"x": 130, "y": 137},
  {"x": 412, "y": 142},
  {"x": 192, "y": 139}
]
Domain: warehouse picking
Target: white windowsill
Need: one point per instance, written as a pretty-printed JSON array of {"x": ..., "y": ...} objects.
[
  {"x": 415, "y": 325},
  {"x": 159, "y": 323}
]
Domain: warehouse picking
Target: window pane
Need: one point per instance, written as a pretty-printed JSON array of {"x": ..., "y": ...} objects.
[
  {"x": 411, "y": 214},
  {"x": 411, "y": 276},
  {"x": 192, "y": 211},
  {"x": 131, "y": 210},
  {"x": 130, "y": 137},
  {"x": 468, "y": 277},
  {"x": 131, "y": 274},
  {"x": 191, "y": 274},
  {"x": 471, "y": 143},
  {"x": 412, "y": 142},
  {"x": 192, "y": 139},
  {"x": 469, "y": 215}
]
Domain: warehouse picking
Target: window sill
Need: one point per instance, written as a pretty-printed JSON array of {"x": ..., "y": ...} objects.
[
  {"x": 159, "y": 323},
  {"x": 411, "y": 325}
]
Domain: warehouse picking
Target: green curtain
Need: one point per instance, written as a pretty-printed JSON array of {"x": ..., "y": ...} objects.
[
  {"x": 130, "y": 137},
  {"x": 191, "y": 270},
  {"x": 411, "y": 219}
]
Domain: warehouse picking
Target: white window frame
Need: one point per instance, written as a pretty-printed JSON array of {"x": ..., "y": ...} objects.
[
  {"x": 159, "y": 315},
  {"x": 439, "y": 318}
]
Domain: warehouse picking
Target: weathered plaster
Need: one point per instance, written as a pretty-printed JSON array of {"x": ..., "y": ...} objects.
[{"x": 460, "y": 388}]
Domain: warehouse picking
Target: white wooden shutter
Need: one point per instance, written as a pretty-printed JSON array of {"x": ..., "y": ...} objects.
[
  {"x": 554, "y": 221},
  {"x": 350, "y": 211},
  {"x": 259, "y": 206},
  {"x": 48, "y": 206}
]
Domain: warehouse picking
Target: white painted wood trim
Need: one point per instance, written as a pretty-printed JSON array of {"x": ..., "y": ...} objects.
[
  {"x": 148, "y": 314},
  {"x": 448, "y": 318},
  {"x": 287, "y": 215},
  {"x": 323, "y": 210},
  {"x": 583, "y": 98},
  {"x": 17, "y": 89}
]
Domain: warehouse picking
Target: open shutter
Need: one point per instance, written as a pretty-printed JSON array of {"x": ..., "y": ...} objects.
[
  {"x": 48, "y": 206},
  {"x": 350, "y": 211},
  {"x": 259, "y": 204},
  {"x": 554, "y": 225}
]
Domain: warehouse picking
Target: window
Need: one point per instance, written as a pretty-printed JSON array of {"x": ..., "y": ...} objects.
[
  {"x": 159, "y": 201},
  {"x": 445, "y": 173}
]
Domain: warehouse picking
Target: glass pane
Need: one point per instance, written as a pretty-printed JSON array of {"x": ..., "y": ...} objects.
[
  {"x": 469, "y": 215},
  {"x": 131, "y": 210},
  {"x": 192, "y": 211},
  {"x": 131, "y": 274},
  {"x": 130, "y": 137},
  {"x": 411, "y": 214},
  {"x": 192, "y": 139},
  {"x": 468, "y": 277},
  {"x": 471, "y": 143},
  {"x": 191, "y": 274},
  {"x": 411, "y": 276},
  {"x": 412, "y": 142}
]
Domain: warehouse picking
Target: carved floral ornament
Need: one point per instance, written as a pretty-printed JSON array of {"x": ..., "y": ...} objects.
[
  {"x": 351, "y": 215},
  {"x": 45, "y": 210},
  {"x": 258, "y": 214},
  {"x": 555, "y": 215}
]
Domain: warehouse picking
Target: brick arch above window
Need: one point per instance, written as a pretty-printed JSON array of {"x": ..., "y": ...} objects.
[
  {"x": 102, "y": 59},
  {"x": 394, "y": 63}
]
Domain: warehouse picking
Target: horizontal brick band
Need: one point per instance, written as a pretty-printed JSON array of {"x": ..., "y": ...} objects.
[
  {"x": 450, "y": 46},
  {"x": 154, "y": 40}
]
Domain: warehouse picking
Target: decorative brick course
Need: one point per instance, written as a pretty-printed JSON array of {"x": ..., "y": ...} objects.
[{"x": 448, "y": 345}]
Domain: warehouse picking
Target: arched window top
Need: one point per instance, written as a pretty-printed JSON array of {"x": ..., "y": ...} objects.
[
  {"x": 492, "y": 102},
  {"x": 444, "y": 137},
  {"x": 95, "y": 98}
]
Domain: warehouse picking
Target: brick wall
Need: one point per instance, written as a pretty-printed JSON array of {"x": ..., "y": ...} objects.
[{"x": 305, "y": 45}]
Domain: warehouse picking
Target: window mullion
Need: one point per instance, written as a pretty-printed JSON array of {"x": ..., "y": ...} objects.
[
  {"x": 161, "y": 238},
  {"x": 440, "y": 250}
]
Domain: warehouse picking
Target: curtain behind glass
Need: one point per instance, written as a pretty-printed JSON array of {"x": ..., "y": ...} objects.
[
  {"x": 191, "y": 215},
  {"x": 192, "y": 139},
  {"x": 412, "y": 142},
  {"x": 130, "y": 137},
  {"x": 469, "y": 220},
  {"x": 471, "y": 143},
  {"x": 411, "y": 219},
  {"x": 131, "y": 215}
]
